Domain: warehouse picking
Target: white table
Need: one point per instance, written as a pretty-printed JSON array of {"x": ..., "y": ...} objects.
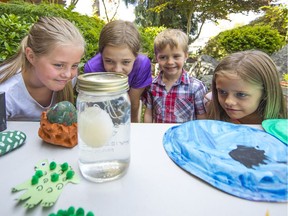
[{"x": 153, "y": 186}]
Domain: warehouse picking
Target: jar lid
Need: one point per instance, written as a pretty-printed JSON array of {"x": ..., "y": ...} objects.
[{"x": 102, "y": 82}]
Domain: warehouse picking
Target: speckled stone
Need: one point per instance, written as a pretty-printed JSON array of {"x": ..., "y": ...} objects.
[{"x": 63, "y": 113}]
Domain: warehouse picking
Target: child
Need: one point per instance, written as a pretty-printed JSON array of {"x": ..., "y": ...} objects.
[
  {"x": 40, "y": 74},
  {"x": 246, "y": 89},
  {"x": 173, "y": 96},
  {"x": 119, "y": 46}
]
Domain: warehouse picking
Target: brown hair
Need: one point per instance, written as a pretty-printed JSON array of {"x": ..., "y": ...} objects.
[
  {"x": 120, "y": 33},
  {"x": 171, "y": 37}
]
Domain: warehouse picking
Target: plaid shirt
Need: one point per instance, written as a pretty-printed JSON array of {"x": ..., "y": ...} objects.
[{"x": 181, "y": 104}]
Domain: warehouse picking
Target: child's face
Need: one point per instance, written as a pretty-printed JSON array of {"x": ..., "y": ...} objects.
[
  {"x": 118, "y": 59},
  {"x": 171, "y": 60},
  {"x": 57, "y": 68},
  {"x": 237, "y": 97}
]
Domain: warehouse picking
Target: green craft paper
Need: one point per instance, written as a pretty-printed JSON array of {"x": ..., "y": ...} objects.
[
  {"x": 10, "y": 140},
  {"x": 45, "y": 192},
  {"x": 277, "y": 128}
]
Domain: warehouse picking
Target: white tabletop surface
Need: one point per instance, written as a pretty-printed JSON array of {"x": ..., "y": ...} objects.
[{"x": 154, "y": 185}]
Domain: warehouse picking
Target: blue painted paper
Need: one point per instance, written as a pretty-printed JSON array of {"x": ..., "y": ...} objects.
[{"x": 240, "y": 160}]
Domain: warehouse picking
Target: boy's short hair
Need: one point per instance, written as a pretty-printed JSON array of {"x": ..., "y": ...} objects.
[{"x": 173, "y": 38}]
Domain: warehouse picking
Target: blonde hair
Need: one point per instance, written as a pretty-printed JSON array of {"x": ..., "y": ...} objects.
[
  {"x": 43, "y": 37},
  {"x": 257, "y": 68},
  {"x": 172, "y": 37},
  {"x": 120, "y": 33}
]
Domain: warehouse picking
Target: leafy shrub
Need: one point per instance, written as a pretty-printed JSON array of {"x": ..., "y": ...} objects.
[
  {"x": 214, "y": 48},
  {"x": 252, "y": 37},
  {"x": 276, "y": 17},
  {"x": 285, "y": 77},
  {"x": 19, "y": 16},
  {"x": 147, "y": 36},
  {"x": 13, "y": 29},
  {"x": 244, "y": 38},
  {"x": 27, "y": 14}
]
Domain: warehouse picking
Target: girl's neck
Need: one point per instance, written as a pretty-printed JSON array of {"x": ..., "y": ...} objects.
[{"x": 254, "y": 118}]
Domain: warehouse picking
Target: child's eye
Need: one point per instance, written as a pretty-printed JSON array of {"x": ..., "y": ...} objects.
[
  {"x": 59, "y": 65},
  {"x": 162, "y": 58},
  {"x": 108, "y": 61},
  {"x": 75, "y": 66},
  {"x": 241, "y": 95},
  {"x": 221, "y": 92},
  {"x": 126, "y": 62}
]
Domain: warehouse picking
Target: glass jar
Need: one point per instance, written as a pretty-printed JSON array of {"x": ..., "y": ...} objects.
[{"x": 104, "y": 108}]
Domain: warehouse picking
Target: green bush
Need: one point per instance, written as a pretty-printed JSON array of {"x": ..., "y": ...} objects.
[
  {"x": 252, "y": 37},
  {"x": 214, "y": 49},
  {"x": 13, "y": 29},
  {"x": 244, "y": 38},
  {"x": 23, "y": 15},
  {"x": 147, "y": 37},
  {"x": 276, "y": 17},
  {"x": 18, "y": 16}
]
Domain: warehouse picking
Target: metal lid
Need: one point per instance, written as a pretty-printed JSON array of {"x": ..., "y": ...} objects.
[{"x": 102, "y": 82}]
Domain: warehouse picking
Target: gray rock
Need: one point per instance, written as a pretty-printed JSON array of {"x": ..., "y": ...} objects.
[{"x": 281, "y": 60}]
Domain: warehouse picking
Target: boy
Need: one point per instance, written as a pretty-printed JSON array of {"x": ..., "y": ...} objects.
[{"x": 173, "y": 96}]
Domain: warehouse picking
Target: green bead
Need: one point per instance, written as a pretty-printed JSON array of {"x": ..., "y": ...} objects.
[
  {"x": 70, "y": 174},
  {"x": 61, "y": 212},
  {"x": 34, "y": 180},
  {"x": 39, "y": 173},
  {"x": 52, "y": 165},
  {"x": 80, "y": 212},
  {"x": 54, "y": 177},
  {"x": 90, "y": 213},
  {"x": 64, "y": 167},
  {"x": 71, "y": 210}
]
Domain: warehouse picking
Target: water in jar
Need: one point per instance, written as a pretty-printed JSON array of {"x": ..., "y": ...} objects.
[{"x": 103, "y": 137}]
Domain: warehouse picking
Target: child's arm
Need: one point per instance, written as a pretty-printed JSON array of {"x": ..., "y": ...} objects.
[
  {"x": 148, "y": 116},
  {"x": 135, "y": 95},
  {"x": 207, "y": 100}
]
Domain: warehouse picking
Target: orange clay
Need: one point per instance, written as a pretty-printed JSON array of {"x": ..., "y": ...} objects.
[{"x": 58, "y": 134}]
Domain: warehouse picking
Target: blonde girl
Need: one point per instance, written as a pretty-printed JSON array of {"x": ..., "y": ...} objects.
[
  {"x": 41, "y": 73},
  {"x": 246, "y": 89}
]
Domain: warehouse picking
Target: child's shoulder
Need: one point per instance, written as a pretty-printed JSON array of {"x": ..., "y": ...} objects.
[
  {"x": 191, "y": 78},
  {"x": 142, "y": 57},
  {"x": 11, "y": 82}
]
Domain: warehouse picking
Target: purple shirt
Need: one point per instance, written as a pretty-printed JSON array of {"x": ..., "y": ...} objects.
[
  {"x": 181, "y": 104},
  {"x": 139, "y": 77}
]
